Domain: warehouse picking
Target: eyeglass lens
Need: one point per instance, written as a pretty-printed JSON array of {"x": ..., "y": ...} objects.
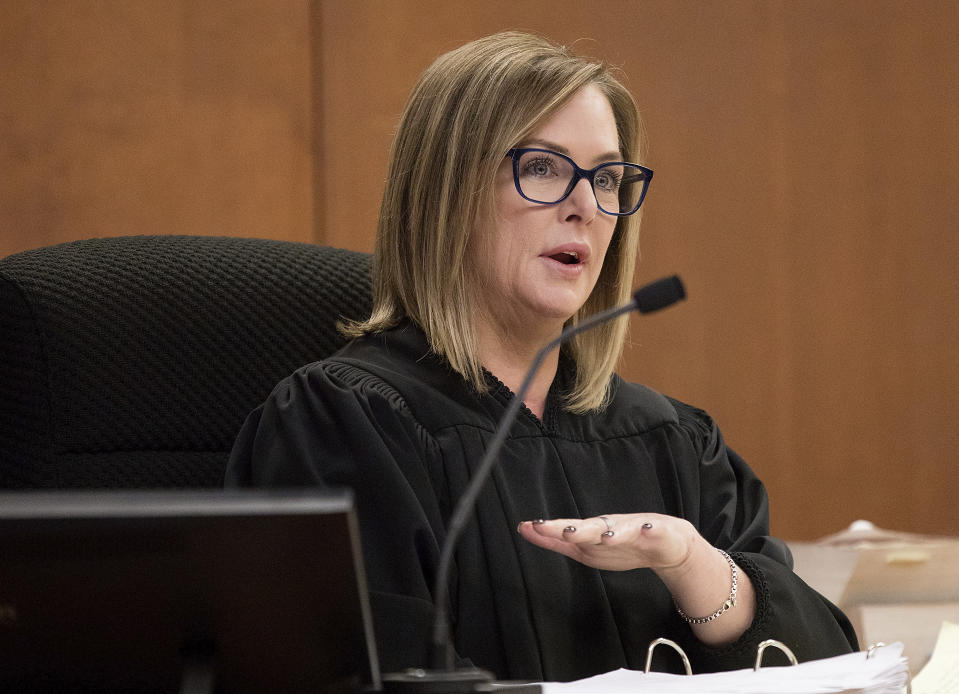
[{"x": 545, "y": 177}]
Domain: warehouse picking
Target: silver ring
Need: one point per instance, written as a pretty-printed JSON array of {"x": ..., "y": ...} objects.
[{"x": 609, "y": 528}]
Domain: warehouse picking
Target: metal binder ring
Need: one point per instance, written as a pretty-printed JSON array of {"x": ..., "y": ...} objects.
[
  {"x": 873, "y": 648},
  {"x": 682, "y": 654},
  {"x": 778, "y": 644}
]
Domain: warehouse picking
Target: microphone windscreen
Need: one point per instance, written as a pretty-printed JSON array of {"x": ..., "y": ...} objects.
[{"x": 659, "y": 294}]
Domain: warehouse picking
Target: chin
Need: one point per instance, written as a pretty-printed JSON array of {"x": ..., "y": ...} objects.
[
  {"x": 567, "y": 308},
  {"x": 562, "y": 313},
  {"x": 556, "y": 304}
]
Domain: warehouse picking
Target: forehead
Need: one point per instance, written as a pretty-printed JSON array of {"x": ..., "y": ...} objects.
[{"x": 585, "y": 127}]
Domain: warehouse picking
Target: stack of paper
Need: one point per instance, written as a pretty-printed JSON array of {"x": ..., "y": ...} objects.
[
  {"x": 941, "y": 674},
  {"x": 884, "y": 671}
]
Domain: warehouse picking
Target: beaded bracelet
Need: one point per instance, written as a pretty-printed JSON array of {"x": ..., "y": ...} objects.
[{"x": 730, "y": 601}]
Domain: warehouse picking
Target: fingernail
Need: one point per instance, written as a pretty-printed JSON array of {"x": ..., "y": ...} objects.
[
  {"x": 569, "y": 529},
  {"x": 538, "y": 521}
]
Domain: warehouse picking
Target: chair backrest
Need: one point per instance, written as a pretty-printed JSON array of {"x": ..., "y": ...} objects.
[{"x": 133, "y": 361}]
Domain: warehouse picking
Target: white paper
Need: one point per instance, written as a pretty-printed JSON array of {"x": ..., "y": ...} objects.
[
  {"x": 885, "y": 672},
  {"x": 941, "y": 673}
]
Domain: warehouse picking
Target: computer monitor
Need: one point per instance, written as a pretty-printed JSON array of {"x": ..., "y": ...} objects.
[{"x": 158, "y": 591}]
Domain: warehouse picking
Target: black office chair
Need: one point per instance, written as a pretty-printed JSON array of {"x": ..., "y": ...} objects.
[{"x": 131, "y": 362}]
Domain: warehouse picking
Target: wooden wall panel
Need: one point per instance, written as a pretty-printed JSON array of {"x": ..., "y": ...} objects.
[
  {"x": 154, "y": 118},
  {"x": 805, "y": 190}
]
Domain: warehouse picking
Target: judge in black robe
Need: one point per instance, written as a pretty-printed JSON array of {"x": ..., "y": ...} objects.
[
  {"x": 492, "y": 238},
  {"x": 392, "y": 421}
]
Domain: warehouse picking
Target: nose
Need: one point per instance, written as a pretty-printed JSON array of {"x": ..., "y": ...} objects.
[{"x": 581, "y": 202}]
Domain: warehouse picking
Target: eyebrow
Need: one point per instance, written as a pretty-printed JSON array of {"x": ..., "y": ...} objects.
[{"x": 612, "y": 155}]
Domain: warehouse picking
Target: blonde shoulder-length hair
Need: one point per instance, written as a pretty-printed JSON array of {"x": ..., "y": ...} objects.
[{"x": 468, "y": 109}]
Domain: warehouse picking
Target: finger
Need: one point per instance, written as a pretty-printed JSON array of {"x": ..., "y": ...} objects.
[
  {"x": 542, "y": 529},
  {"x": 555, "y": 544},
  {"x": 572, "y": 544},
  {"x": 580, "y": 531},
  {"x": 589, "y": 531},
  {"x": 606, "y": 533},
  {"x": 558, "y": 528},
  {"x": 637, "y": 531}
]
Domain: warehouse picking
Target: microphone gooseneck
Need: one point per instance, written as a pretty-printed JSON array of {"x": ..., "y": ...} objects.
[{"x": 646, "y": 299}]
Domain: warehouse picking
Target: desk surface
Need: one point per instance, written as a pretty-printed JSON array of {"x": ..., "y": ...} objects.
[
  {"x": 916, "y": 624},
  {"x": 827, "y": 569}
]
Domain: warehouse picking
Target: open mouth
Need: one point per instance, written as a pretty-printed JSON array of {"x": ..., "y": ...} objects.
[{"x": 566, "y": 257}]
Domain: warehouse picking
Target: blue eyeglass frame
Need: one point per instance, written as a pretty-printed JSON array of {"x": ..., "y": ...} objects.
[{"x": 578, "y": 173}]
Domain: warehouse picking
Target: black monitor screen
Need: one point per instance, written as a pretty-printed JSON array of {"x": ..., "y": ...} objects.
[{"x": 245, "y": 591}]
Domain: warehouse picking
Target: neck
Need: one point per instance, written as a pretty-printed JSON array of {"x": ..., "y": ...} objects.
[{"x": 508, "y": 355}]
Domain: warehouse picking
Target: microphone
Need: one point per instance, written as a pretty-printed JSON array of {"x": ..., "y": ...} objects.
[{"x": 647, "y": 299}]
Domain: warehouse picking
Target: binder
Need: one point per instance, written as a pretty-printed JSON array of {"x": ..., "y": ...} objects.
[{"x": 881, "y": 669}]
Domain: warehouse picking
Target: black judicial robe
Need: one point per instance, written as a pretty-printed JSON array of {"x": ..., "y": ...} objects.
[{"x": 393, "y": 421}]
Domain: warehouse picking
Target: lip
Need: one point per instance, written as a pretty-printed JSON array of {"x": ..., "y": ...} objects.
[{"x": 580, "y": 250}]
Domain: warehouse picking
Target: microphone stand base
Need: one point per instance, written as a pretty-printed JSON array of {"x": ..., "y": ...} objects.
[{"x": 417, "y": 681}]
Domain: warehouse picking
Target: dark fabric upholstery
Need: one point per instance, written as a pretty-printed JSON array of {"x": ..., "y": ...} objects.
[{"x": 133, "y": 361}]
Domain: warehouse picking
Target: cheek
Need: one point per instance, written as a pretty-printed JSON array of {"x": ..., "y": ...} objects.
[
  {"x": 511, "y": 233},
  {"x": 607, "y": 238},
  {"x": 492, "y": 250}
]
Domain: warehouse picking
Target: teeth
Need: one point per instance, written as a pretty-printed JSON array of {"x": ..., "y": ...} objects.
[{"x": 566, "y": 257}]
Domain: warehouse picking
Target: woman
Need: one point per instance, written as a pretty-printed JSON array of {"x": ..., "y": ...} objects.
[{"x": 509, "y": 212}]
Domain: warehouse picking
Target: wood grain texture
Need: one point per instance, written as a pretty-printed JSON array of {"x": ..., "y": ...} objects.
[
  {"x": 806, "y": 171},
  {"x": 154, "y": 118},
  {"x": 806, "y": 178}
]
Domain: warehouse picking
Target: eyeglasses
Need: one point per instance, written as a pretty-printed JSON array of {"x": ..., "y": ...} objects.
[{"x": 548, "y": 177}]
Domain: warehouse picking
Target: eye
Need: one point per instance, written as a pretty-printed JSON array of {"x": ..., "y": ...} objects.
[
  {"x": 540, "y": 167},
  {"x": 607, "y": 180}
]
